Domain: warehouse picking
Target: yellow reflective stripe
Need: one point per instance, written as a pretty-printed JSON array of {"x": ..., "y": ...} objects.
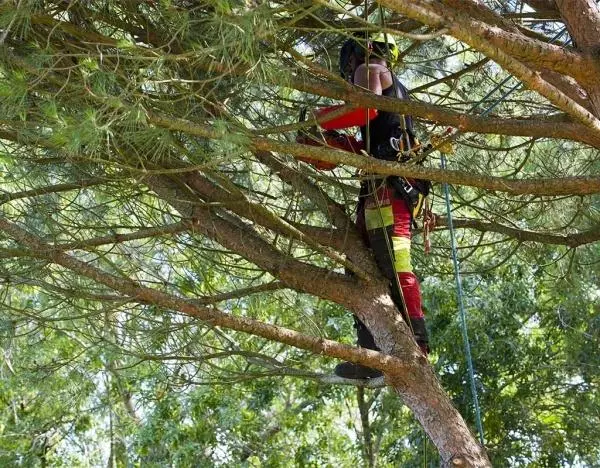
[
  {"x": 401, "y": 247},
  {"x": 379, "y": 217},
  {"x": 418, "y": 206}
]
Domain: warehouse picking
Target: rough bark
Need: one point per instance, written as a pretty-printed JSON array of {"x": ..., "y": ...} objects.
[
  {"x": 569, "y": 87},
  {"x": 582, "y": 18},
  {"x": 418, "y": 387}
]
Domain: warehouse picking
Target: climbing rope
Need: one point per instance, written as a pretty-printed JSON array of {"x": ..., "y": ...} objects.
[
  {"x": 457, "y": 274},
  {"x": 461, "y": 308}
]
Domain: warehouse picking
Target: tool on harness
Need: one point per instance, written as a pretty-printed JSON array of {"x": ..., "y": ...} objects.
[
  {"x": 428, "y": 226},
  {"x": 413, "y": 192},
  {"x": 402, "y": 146}
]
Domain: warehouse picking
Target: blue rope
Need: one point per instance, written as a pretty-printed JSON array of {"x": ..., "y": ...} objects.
[
  {"x": 461, "y": 308},
  {"x": 457, "y": 276}
]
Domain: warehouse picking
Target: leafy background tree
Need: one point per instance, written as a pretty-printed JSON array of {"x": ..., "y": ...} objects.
[{"x": 152, "y": 142}]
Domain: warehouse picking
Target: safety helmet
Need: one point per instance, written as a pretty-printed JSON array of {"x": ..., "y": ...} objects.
[
  {"x": 382, "y": 44},
  {"x": 387, "y": 45}
]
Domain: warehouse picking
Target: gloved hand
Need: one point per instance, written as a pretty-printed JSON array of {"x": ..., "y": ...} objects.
[{"x": 313, "y": 137}]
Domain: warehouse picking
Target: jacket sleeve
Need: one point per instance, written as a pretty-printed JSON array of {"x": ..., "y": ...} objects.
[{"x": 352, "y": 118}]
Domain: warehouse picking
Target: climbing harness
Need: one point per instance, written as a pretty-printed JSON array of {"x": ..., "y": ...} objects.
[{"x": 407, "y": 191}]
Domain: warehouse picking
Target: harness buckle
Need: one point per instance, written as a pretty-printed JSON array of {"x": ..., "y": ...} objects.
[
  {"x": 406, "y": 185},
  {"x": 397, "y": 144}
]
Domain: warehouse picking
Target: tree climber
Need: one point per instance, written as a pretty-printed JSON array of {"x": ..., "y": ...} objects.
[{"x": 386, "y": 206}]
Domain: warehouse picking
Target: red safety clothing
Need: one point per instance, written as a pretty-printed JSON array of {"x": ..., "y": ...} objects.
[
  {"x": 352, "y": 118},
  {"x": 384, "y": 220}
]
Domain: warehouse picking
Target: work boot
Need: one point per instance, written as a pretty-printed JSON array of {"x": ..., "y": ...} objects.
[
  {"x": 349, "y": 370},
  {"x": 420, "y": 333}
]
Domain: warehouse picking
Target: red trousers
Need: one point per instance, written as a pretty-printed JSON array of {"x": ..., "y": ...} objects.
[{"x": 384, "y": 220}]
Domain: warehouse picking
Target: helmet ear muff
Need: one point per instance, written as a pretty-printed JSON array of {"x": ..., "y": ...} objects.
[
  {"x": 385, "y": 46},
  {"x": 389, "y": 52}
]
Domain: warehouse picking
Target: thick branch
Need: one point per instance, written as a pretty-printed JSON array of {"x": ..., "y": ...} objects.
[
  {"x": 475, "y": 18},
  {"x": 554, "y": 186},
  {"x": 476, "y": 35},
  {"x": 239, "y": 204},
  {"x": 582, "y": 18},
  {"x": 372, "y": 304},
  {"x": 571, "y": 240},
  {"x": 247, "y": 243},
  {"x": 142, "y": 294},
  {"x": 464, "y": 122},
  {"x": 541, "y": 55}
]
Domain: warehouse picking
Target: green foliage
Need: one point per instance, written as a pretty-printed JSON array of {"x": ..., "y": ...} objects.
[{"x": 89, "y": 377}]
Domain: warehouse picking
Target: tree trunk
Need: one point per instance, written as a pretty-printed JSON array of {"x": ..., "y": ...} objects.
[
  {"x": 582, "y": 18},
  {"x": 417, "y": 384},
  {"x": 414, "y": 381}
]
